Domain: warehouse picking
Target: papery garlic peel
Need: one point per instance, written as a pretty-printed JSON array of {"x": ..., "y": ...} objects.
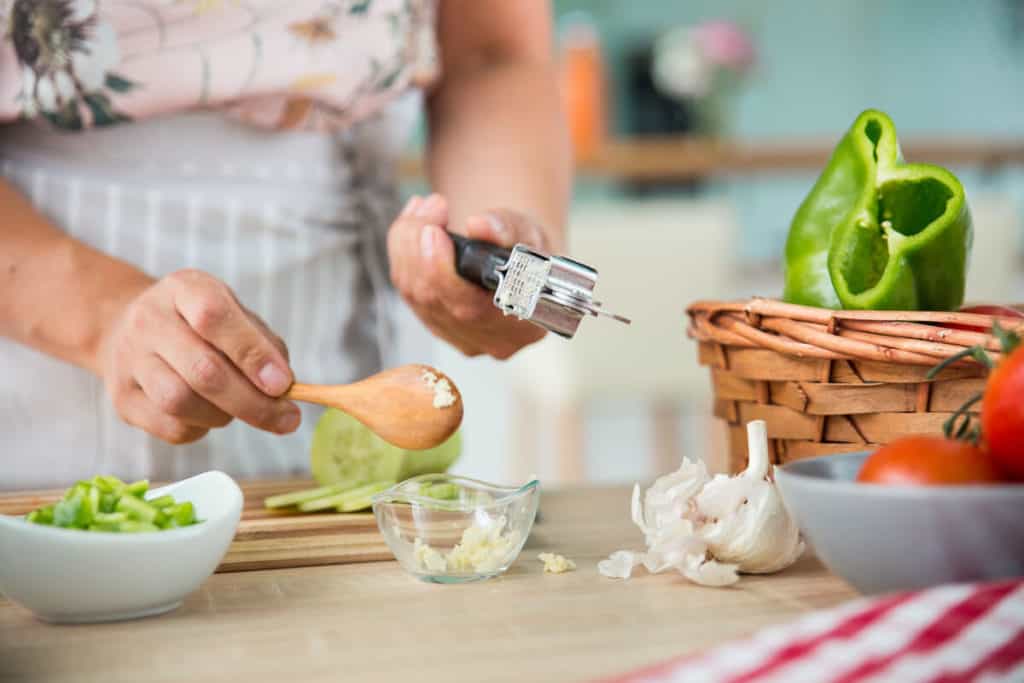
[{"x": 706, "y": 528}]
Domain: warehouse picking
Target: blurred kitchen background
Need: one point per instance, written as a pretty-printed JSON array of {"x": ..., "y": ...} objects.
[{"x": 698, "y": 128}]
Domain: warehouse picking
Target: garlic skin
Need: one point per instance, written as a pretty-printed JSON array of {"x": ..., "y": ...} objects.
[
  {"x": 710, "y": 529},
  {"x": 619, "y": 565}
]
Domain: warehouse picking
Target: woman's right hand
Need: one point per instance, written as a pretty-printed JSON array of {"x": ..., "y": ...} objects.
[{"x": 184, "y": 356}]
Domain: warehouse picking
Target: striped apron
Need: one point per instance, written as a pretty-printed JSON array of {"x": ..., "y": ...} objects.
[{"x": 294, "y": 223}]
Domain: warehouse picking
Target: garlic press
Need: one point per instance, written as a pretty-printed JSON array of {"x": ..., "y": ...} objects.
[{"x": 553, "y": 292}]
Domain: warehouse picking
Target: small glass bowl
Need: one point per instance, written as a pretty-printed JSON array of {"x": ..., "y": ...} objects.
[{"x": 448, "y": 529}]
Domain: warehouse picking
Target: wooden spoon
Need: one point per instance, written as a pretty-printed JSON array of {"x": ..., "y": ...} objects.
[{"x": 397, "y": 404}]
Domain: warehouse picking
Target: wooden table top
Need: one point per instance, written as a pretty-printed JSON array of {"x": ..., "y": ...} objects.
[{"x": 372, "y": 622}]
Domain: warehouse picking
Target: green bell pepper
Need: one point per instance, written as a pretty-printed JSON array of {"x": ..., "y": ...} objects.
[
  {"x": 878, "y": 233},
  {"x": 106, "y": 503}
]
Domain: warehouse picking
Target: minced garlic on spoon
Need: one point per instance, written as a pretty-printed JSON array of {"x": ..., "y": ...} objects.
[
  {"x": 709, "y": 529},
  {"x": 443, "y": 394}
]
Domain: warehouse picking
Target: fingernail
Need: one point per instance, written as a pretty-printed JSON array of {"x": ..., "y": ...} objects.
[
  {"x": 288, "y": 422},
  {"x": 432, "y": 204},
  {"x": 496, "y": 224},
  {"x": 275, "y": 381},
  {"x": 427, "y": 242},
  {"x": 411, "y": 205}
]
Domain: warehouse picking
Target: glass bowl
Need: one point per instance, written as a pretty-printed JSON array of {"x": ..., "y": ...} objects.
[{"x": 448, "y": 529}]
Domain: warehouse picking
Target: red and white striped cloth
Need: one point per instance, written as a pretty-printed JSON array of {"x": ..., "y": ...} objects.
[{"x": 950, "y": 634}]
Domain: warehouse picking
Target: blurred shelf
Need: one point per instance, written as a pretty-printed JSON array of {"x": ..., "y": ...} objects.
[{"x": 680, "y": 158}]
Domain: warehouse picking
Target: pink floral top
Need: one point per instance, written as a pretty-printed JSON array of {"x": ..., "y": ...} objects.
[{"x": 306, "y": 64}]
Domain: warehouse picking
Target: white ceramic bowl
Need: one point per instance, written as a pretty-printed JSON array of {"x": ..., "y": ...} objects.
[
  {"x": 71, "y": 576},
  {"x": 893, "y": 538}
]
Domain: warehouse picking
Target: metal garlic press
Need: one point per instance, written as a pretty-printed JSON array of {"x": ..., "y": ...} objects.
[{"x": 553, "y": 292}]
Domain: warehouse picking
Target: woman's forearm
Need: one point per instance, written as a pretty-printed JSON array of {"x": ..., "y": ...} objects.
[
  {"x": 57, "y": 295},
  {"x": 497, "y": 139}
]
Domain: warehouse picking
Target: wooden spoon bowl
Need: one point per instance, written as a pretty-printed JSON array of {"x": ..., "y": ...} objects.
[{"x": 397, "y": 404}]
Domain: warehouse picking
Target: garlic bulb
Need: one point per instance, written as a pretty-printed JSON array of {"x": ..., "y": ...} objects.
[
  {"x": 747, "y": 523},
  {"x": 709, "y": 529}
]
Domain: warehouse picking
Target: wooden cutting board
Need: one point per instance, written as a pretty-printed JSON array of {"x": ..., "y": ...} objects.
[{"x": 271, "y": 539}]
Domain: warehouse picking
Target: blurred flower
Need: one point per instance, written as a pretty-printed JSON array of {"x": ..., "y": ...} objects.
[
  {"x": 690, "y": 62},
  {"x": 64, "y": 50},
  {"x": 703, "y": 64},
  {"x": 680, "y": 69},
  {"x": 725, "y": 44}
]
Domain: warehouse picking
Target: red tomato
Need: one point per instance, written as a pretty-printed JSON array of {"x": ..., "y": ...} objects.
[
  {"x": 1002, "y": 414},
  {"x": 928, "y": 460},
  {"x": 1004, "y": 311}
]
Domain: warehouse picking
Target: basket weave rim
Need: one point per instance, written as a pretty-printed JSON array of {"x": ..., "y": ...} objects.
[{"x": 902, "y": 337}]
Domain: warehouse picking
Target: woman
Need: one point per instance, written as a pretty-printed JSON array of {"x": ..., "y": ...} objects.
[{"x": 188, "y": 185}]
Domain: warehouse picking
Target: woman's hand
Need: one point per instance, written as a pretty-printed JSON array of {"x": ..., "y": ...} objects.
[
  {"x": 184, "y": 357},
  {"x": 423, "y": 270}
]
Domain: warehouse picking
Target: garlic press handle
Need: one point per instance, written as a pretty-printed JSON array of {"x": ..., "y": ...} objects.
[{"x": 479, "y": 261}]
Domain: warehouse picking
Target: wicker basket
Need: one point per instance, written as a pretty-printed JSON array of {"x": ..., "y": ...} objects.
[{"x": 833, "y": 381}]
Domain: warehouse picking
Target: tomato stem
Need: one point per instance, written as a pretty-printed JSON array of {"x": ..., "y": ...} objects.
[
  {"x": 976, "y": 352},
  {"x": 1008, "y": 339},
  {"x": 967, "y": 431},
  {"x": 960, "y": 425}
]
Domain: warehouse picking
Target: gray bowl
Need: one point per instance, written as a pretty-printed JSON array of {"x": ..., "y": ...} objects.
[{"x": 891, "y": 538}]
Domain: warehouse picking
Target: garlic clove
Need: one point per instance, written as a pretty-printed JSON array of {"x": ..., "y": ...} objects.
[{"x": 760, "y": 536}]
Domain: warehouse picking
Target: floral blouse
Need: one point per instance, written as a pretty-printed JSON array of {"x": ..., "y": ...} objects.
[{"x": 301, "y": 64}]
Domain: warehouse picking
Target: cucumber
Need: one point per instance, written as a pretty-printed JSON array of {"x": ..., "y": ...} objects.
[
  {"x": 339, "y": 499},
  {"x": 283, "y": 500},
  {"x": 362, "y": 500},
  {"x": 441, "y": 491},
  {"x": 345, "y": 450}
]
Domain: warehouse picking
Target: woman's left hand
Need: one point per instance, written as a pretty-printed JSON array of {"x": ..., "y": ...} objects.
[{"x": 422, "y": 260}]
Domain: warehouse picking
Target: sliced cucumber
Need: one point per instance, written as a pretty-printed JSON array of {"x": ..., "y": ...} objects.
[
  {"x": 441, "y": 491},
  {"x": 283, "y": 500},
  {"x": 336, "y": 501},
  {"x": 362, "y": 500}
]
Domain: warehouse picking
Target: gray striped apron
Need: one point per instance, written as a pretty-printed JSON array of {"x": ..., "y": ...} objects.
[{"x": 294, "y": 222}]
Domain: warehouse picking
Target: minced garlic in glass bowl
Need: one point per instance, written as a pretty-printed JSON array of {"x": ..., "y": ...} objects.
[{"x": 448, "y": 529}]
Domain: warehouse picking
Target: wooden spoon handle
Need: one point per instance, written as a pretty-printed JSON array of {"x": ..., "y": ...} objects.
[{"x": 312, "y": 393}]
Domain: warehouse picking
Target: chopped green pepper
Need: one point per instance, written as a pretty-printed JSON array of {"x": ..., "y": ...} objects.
[
  {"x": 182, "y": 514},
  {"x": 43, "y": 515},
  {"x": 107, "y": 504},
  {"x": 162, "y": 502},
  {"x": 137, "y": 508},
  {"x": 69, "y": 513},
  {"x": 138, "y": 488},
  {"x": 878, "y": 233}
]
